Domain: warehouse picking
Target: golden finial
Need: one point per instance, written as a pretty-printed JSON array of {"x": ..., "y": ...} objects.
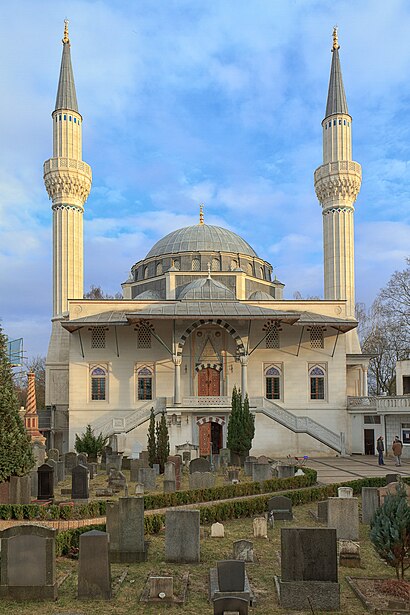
[
  {"x": 201, "y": 214},
  {"x": 335, "y": 39},
  {"x": 65, "y": 37},
  {"x": 209, "y": 271}
]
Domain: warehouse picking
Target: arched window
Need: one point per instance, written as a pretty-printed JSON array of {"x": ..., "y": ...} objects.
[
  {"x": 145, "y": 273},
  {"x": 98, "y": 384},
  {"x": 196, "y": 264},
  {"x": 317, "y": 382},
  {"x": 144, "y": 387},
  {"x": 273, "y": 379},
  {"x": 177, "y": 264},
  {"x": 159, "y": 268},
  {"x": 250, "y": 268},
  {"x": 215, "y": 264},
  {"x": 261, "y": 273}
]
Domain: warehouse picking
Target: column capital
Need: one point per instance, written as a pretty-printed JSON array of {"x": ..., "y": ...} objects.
[
  {"x": 244, "y": 358},
  {"x": 177, "y": 359}
]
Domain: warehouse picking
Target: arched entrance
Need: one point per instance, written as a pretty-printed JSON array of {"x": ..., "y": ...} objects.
[
  {"x": 209, "y": 382},
  {"x": 210, "y": 435}
]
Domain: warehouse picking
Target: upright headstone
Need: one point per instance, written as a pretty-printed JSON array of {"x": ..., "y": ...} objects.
[
  {"x": 54, "y": 454},
  {"x": 28, "y": 569},
  {"x": 370, "y": 503},
  {"x": 263, "y": 459},
  {"x": 135, "y": 465},
  {"x": 344, "y": 492},
  {"x": 39, "y": 453},
  {"x": 322, "y": 511},
  {"x": 45, "y": 475},
  {"x": 20, "y": 489},
  {"x": 233, "y": 475},
  {"x": 260, "y": 527},
  {"x": 285, "y": 471},
  {"x": 281, "y": 508},
  {"x": 349, "y": 554},
  {"x": 169, "y": 477},
  {"x": 392, "y": 478},
  {"x": 199, "y": 465},
  {"x": 201, "y": 480},
  {"x": 243, "y": 549},
  {"x": 34, "y": 483},
  {"x": 82, "y": 458},
  {"x": 53, "y": 464},
  {"x": 125, "y": 525},
  {"x": 144, "y": 456},
  {"x": 70, "y": 460},
  {"x": 60, "y": 471},
  {"x": 147, "y": 477},
  {"x": 248, "y": 465},
  {"x": 182, "y": 536},
  {"x": 309, "y": 578},
  {"x": 231, "y": 575},
  {"x": 94, "y": 571},
  {"x": 156, "y": 468},
  {"x": 261, "y": 472},
  {"x": 217, "y": 530},
  {"x": 80, "y": 480},
  {"x": 225, "y": 456},
  {"x": 139, "y": 489},
  {"x": 343, "y": 516},
  {"x": 113, "y": 462},
  {"x": 177, "y": 460}
]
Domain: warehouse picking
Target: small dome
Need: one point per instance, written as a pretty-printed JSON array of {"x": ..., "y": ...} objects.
[
  {"x": 260, "y": 295},
  {"x": 201, "y": 238},
  {"x": 149, "y": 295},
  {"x": 206, "y": 288}
]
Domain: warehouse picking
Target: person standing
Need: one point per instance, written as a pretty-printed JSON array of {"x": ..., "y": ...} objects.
[
  {"x": 397, "y": 447},
  {"x": 380, "y": 450}
]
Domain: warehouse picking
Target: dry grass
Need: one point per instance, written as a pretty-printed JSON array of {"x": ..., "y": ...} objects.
[{"x": 127, "y": 596}]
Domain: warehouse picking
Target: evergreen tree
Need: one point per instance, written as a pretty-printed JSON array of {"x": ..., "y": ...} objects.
[
  {"x": 16, "y": 455},
  {"x": 390, "y": 531},
  {"x": 241, "y": 425},
  {"x": 162, "y": 442},
  {"x": 89, "y": 443},
  {"x": 152, "y": 444}
]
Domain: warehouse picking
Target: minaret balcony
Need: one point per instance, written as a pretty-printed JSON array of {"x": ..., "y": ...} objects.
[
  {"x": 338, "y": 168},
  {"x": 67, "y": 164}
]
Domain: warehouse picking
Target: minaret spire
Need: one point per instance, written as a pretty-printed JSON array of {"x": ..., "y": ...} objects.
[
  {"x": 337, "y": 184},
  {"x": 66, "y": 94}
]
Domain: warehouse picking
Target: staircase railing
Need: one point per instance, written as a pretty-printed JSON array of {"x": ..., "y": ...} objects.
[{"x": 116, "y": 423}]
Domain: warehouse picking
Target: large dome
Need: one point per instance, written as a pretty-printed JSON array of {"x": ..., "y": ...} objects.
[{"x": 201, "y": 238}]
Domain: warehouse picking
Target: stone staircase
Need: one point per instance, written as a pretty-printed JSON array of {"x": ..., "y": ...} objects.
[
  {"x": 299, "y": 424},
  {"x": 124, "y": 421}
]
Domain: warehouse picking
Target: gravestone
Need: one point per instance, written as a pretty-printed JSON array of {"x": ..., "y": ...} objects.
[
  {"x": 156, "y": 468},
  {"x": 343, "y": 516},
  {"x": 392, "y": 489},
  {"x": 125, "y": 525},
  {"x": 28, "y": 568},
  {"x": 231, "y": 575},
  {"x": 199, "y": 465},
  {"x": 54, "y": 454},
  {"x": 60, "y": 471},
  {"x": 201, "y": 480},
  {"x": 177, "y": 460},
  {"x": 285, "y": 471},
  {"x": 161, "y": 589},
  {"x": 262, "y": 459},
  {"x": 370, "y": 503},
  {"x": 39, "y": 453},
  {"x": 233, "y": 475},
  {"x": 113, "y": 462},
  {"x": 82, "y": 458},
  {"x": 144, "y": 456},
  {"x": 80, "y": 478},
  {"x": 20, "y": 489},
  {"x": 281, "y": 508},
  {"x": 349, "y": 554},
  {"x": 217, "y": 530},
  {"x": 223, "y": 606},
  {"x": 243, "y": 550},
  {"x": 322, "y": 511},
  {"x": 53, "y": 464},
  {"x": 261, "y": 472},
  {"x": 344, "y": 492},
  {"x": 392, "y": 478},
  {"x": 147, "y": 477},
  {"x": 93, "y": 469},
  {"x": 248, "y": 465},
  {"x": 139, "y": 489},
  {"x": 135, "y": 465},
  {"x": 216, "y": 462},
  {"x": 182, "y": 536},
  {"x": 116, "y": 481},
  {"x": 94, "y": 571},
  {"x": 169, "y": 477},
  {"x": 224, "y": 456},
  {"x": 260, "y": 527},
  {"x": 309, "y": 578},
  {"x": 70, "y": 460},
  {"x": 186, "y": 457},
  {"x": 45, "y": 474},
  {"x": 34, "y": 483}
]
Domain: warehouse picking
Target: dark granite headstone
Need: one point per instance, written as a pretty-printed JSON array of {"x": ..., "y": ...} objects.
[
  {"x": 70, "y": 461},
  {"x": 80, "y": 483},
  {"x": 231, "y": 575},
  {"x": 392, "y": 478},
  {"x": 45, "y": 475},
  {"x": 308, "y": 554},
  {"x": 28, "y": 563},
  {"x": 199, "y": 465},
  {"x": 281, "y": 507},
  {"x": 94, "y": 572}
]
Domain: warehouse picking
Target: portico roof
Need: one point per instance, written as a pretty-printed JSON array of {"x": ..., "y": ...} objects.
[{"x": 182, "y": 310}]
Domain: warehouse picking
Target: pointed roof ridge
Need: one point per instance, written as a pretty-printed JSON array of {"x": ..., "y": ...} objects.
[
  {"x": 66, "y": 95},
  {"x": 336, "y": 97}
]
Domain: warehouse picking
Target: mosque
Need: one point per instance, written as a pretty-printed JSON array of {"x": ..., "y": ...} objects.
[{"x": 200, "y": 314}]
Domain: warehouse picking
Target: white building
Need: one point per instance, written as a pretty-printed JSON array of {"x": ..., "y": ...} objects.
[{"x": 201, "y": 314}]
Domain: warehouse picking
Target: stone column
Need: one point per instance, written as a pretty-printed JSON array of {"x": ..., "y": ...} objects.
[
  {"x": 177, "y": 379},
  {"x": 244, "y": 374},
  {"x": 365, "y": 383}
]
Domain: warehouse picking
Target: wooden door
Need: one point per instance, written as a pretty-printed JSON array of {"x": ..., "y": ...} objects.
[
  {"x": 205, "y": 439},
  {"x": 209, "y": 382}
]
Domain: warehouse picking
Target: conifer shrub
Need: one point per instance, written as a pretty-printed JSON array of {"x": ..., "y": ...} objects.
[
  {"x": 241, "y": 425},
  {"x": 89, "y": 443}
]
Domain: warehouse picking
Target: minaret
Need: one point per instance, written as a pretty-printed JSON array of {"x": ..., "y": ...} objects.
[
  {"x": 68, "y": 182},
  {"x": 337, "y": 184}
]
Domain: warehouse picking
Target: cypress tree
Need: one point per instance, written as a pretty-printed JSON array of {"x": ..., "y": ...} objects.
[
  {"x": 241, "y": 425},
  {"x": 16, "y": 455},
  {"x": 152, "y": 444},
  {"x": 162, "y": 442}
]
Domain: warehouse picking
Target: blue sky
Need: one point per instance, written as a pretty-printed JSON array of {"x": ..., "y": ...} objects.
[{"x": 195, "y": 101}]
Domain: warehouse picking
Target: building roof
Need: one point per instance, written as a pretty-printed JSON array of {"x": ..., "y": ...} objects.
[
  {"x": 206, "y": 288},
  {"x": 260, "y": 295},
  {"x": 148, "y": 295},
  {"x": 66, "y": 95},
  {"x": 201, "y": 238},
  {"x": 336, "y": 97}
]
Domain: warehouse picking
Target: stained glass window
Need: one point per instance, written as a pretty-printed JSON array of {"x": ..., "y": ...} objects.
[
  {"x": 98, "y": 384},
  {"x": 317, "y": 383},
  {"x": 144, "y": 383},
  {"x": 273, "y": 378}
]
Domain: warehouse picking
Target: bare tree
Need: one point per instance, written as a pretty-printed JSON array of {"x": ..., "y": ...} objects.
[{"x": 96, "y": 293}]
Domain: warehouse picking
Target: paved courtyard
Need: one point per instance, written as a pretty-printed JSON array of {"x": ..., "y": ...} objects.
[{"x": 337, "y": 469}]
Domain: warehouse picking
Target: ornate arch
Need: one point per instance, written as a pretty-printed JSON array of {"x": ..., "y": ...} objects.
[
  {"x": 211, "y": 419},
  {"x": 202, "y": 366},
  {"x": 211, "y": 321}
]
